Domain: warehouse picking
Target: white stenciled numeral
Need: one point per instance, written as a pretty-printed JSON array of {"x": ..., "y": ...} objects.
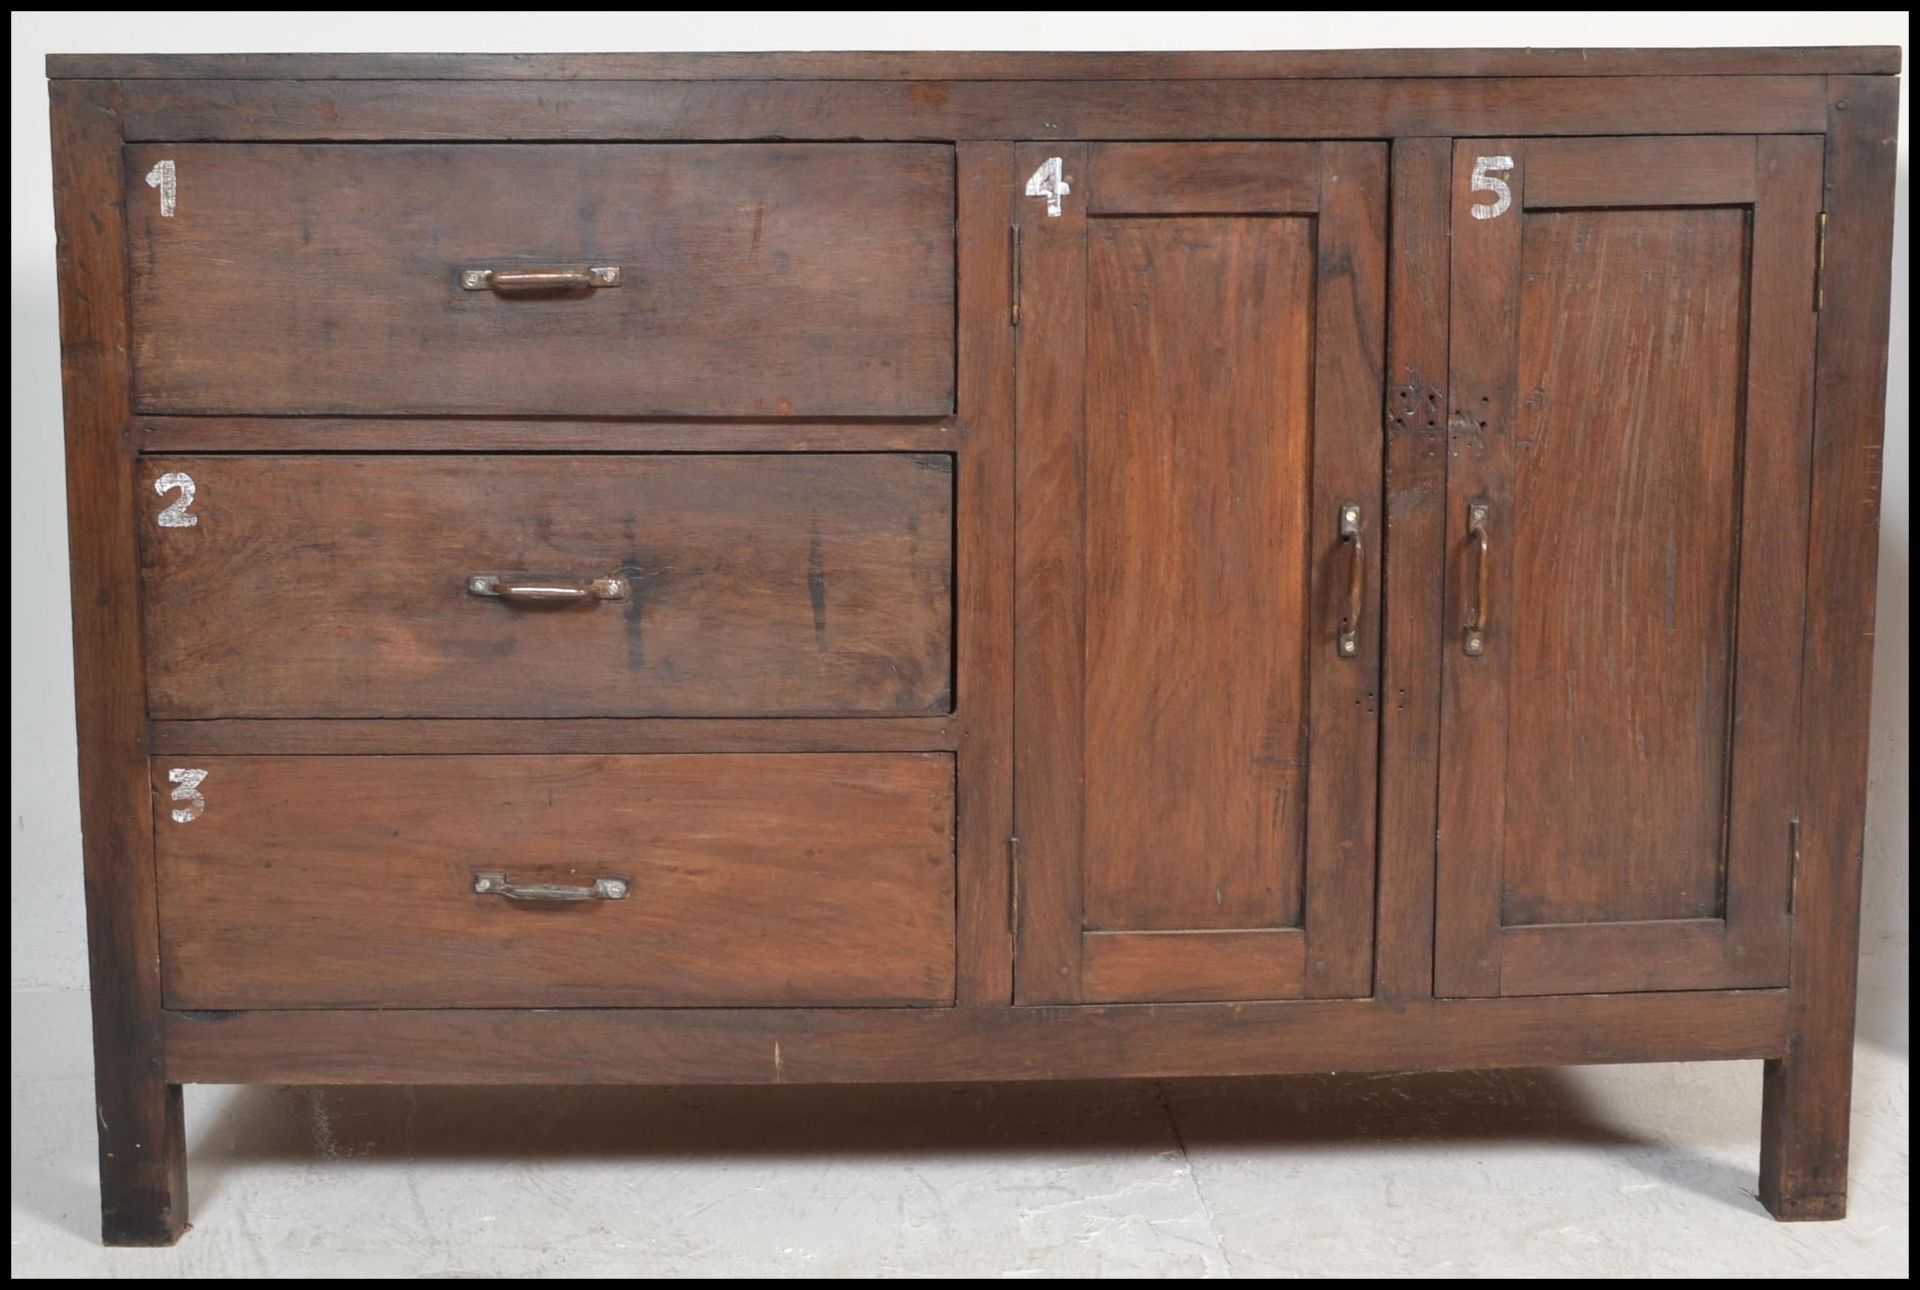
[
  {"x": 1485, "y": 180},
  {"x": 176, "y": 516},
  {"x": 1050, "y": 183},
  {"x": 162, "y": 176},
  {"x": 186, "y": 788}
]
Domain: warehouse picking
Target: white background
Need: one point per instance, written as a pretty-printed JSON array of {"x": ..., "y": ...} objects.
[{"x": 49, "y": 950}]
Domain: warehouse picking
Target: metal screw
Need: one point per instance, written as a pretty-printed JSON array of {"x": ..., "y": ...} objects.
[
  {"x": 477, "y": 584},
  {"x": 614, "y": 888},
  {"x": 1349, "y": 647},
  {"x": 483, "y": 884}
]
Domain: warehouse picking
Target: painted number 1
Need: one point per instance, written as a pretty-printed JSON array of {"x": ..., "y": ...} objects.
[{"x": 1486, "y": 180}]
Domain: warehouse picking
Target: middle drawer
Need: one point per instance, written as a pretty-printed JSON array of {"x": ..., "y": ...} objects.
[{"x": 547, "y": 586}]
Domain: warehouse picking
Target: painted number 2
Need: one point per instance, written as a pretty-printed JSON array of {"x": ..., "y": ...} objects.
[
  {"x": 176, "y": 516},
  {"x": 1485, "y": 180}
]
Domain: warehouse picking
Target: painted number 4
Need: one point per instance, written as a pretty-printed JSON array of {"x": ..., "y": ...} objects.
[
  {"x": 1050, "y": 183},
  {"x": 1486, "y": 179}
]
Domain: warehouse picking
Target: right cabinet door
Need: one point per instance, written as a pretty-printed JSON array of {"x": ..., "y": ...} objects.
[{"x": 1632, "y": 331}]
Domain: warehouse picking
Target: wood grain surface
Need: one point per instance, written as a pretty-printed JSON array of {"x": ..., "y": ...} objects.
[
  {"x": 348, "y": 882},
  {"x": 852, "y": 1046},
  {"x": 1201, "y": 395},
  {"x": 1632, "y": 383},
  {"x": 143, "y": 1140},
  {"x": 964, "y": 65},
  {"x": 947, "y": 110},
  {"x": 757, "y": 280},
  {"x": 336, "y": 586}
]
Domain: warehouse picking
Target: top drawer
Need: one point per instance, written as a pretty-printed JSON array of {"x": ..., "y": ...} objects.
[{"x": 755, "y": 280}]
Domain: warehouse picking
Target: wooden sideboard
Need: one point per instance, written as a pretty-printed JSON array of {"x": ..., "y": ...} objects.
[{"x": 835, "y": 567}]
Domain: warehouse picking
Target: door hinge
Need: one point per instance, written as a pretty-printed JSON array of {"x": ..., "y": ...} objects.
[
  {"x": 1013, "y": 888},
  {"x": 1820, "y": 263},
  {"x": 1013, "y": 272},
  {"x": 1793, "y": 861}
]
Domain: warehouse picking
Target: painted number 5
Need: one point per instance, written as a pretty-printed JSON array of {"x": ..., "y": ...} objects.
[{"x": 1486, "y": 180}]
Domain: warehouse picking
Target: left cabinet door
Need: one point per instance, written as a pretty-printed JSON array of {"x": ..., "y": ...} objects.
[{"x": 1200, "y": 330}]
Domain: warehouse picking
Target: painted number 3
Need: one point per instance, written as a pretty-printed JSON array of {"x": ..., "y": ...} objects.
[
  {"x": 186, "y": 783},
  {"x": 1485, "y": 180}
]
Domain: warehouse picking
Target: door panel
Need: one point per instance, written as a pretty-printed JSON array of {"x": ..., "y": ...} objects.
[
  {"x": 1199, "y": 402},
  {"x": 1632, "y": 350},
  {"x": 1195, "y": 552}
]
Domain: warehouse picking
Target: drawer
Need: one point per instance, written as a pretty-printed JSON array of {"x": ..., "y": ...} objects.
[
  {"x": 754, "y": 280},
  {"x": 354, "y": 882},
  {"x": 742, "y": 585}
]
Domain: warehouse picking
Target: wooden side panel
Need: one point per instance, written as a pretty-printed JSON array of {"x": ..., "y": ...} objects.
[
  {"x": 143, "y": 1146},
  {"x": 348, "y": 882},
  {"x": 1198, "y": 432},
  {"x": 1809, "y": 1092},
  {"x": 1414, "y": 627},
  {"x": 1623, "y": 550},
  {"x": 758, "y": 585},
  {"x": 758, "y": 280}
]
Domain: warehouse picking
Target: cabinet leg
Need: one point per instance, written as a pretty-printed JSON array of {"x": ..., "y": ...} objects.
[
  {"x": 1805, "y": 1103},
  {"x": 143, "y": 1160}
]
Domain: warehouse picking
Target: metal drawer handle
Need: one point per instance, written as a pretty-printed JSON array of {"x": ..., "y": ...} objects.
[
  {"x": 546, "y": 278},
  {"x": 1475, "y": 640},
  {"x": 525, "y": 589},
  {"x": 1356, "y": 579},
  {"x": 498, "y": 884}
]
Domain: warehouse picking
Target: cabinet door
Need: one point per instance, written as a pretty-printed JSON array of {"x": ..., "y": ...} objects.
[
  {"x": 1199, "y": 467},
  {"x": 1632, "y": 364}
]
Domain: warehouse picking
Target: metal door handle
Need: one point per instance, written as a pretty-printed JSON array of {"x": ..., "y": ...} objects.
[
  {"x": 498, "y": 884},
  {"x": 1475, "y": 639},
  {"x": 1356, "y": 579},
  {"x": 546, "y": 278},
  {"x": 528, "y": 589}
]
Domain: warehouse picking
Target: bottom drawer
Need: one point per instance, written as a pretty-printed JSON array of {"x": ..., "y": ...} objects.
[{"x": 368, "y": 882}]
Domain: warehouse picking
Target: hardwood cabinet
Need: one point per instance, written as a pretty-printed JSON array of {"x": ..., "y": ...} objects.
[{"x": 1063, "y": 566}]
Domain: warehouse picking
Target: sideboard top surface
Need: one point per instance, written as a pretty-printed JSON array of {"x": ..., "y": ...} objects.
[{"x": 1835, "y": 60}]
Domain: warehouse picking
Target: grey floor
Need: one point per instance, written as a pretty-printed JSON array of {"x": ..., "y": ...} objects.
[{"x": 1600, "y": 1171}]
